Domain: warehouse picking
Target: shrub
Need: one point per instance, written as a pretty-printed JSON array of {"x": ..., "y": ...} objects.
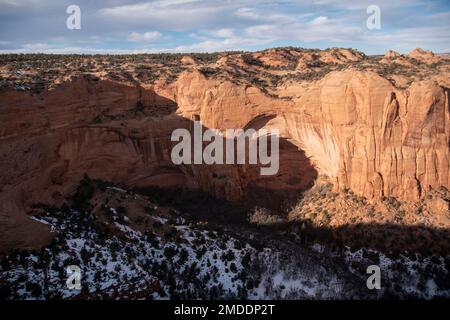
[
  {"x": 183, "y": 256},
  {"x": 170, "y": 252},
  {"x": 262, "y": 216}
]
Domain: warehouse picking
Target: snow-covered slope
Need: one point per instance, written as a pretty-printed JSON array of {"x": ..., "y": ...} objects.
[{"x": 176, "y": 259}]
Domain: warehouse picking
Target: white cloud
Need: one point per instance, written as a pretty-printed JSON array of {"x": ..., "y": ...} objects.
[
  {"x": 318, "y": 29},
  {"x": 405, "y": 40},
  {"x": 18, "y": 3},
  {"x": 228, "y": 44},
  {"x": 259, "y": 15},
  {"x": 46, "y": 48},
  {"x": 174, "y": 14},
  {"x": 223, "y": 33},
  {"x": 319, "y": 21},
  {"x": 249, "y": 13},
  {"x": 144, "y": 37},
  {"x": 363, "y": 4}
]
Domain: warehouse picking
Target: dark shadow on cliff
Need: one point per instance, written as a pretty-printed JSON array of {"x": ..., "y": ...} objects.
[
  {"x": 148, "y": 104},
  {"x": 242, "y": 183}
]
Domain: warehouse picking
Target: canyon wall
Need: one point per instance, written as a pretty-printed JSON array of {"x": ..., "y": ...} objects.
[{"x": 354, "y": 127}]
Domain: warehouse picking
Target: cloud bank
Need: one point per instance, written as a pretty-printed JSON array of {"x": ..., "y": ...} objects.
[{"x": 133, "y": 26}]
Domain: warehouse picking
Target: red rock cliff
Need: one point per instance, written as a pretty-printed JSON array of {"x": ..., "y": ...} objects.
[{"x": 354, "y": 126}]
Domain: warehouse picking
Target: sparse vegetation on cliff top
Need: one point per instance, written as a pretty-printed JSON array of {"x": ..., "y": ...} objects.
[{"x": 264, "y": 69}]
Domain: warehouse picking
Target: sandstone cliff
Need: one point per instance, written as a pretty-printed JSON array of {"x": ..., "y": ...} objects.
[{"x": 354, "y": 126}]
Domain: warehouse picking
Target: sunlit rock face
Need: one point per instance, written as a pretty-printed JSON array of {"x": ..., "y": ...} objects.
[{"x": 354, "y": 126}]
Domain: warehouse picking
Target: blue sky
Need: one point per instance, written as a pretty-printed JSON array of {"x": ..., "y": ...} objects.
[{"x": 129, "y": 26}]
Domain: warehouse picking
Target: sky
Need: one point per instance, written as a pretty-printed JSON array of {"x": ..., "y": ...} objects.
[{"x": 133, "y": 26}]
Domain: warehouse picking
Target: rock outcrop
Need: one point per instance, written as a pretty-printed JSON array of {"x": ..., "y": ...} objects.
[
  {"x": 394, "y": 57},
  {"x": 425, "y": 56}
]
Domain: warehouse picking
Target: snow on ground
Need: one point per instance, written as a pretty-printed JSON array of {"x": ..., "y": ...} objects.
[
  {"x": 192, "y": 262},
  {"x": 197, "y": 264}
]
